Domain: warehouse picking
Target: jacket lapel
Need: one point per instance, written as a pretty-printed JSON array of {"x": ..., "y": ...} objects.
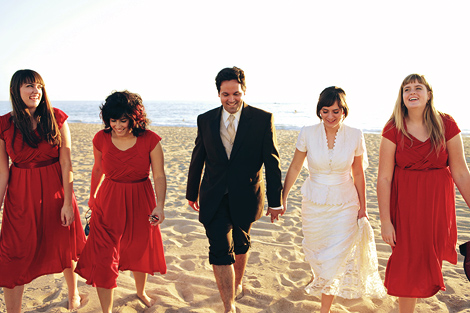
[
  {"x": 243, "y": 127},
  {"x": 215, "y": 130}
]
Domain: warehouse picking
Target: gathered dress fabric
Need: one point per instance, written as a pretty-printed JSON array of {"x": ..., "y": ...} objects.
[
  {"x": 339, "y": 247},
  {"x": 422, "y": 209},
  {"x": 121, "y": 237},
  {"x": 33, "y": 241}
]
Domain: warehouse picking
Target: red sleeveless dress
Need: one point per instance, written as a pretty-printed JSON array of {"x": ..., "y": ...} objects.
[
  {"x": 121, "y": 237},
  {"x": 422, "y": 208},
  {"x": 33, "y": 241}
]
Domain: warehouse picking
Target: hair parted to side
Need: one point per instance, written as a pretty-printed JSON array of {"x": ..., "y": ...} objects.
[
  {"x": 125, "y": 104},
  {"x": 231, "y": 73},
  {"x": 47, "y": 126},
  {"x": 432, "y": 117},
  {"x": 329, "y": 96}
]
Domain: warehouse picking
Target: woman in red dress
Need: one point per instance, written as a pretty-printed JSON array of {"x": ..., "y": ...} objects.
[
  {"x": 421, "y": 157},
  {"x": 124, "y": 228},
  {"x": 41, "y": 228}
]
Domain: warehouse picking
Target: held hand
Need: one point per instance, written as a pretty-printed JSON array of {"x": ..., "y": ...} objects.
[
  {"x": 275, "y": 213},
  {"x": 194, "y": 205},
  {"x": 67, "y": 215},
  {"x": 362, "y": 213},
  {"x": 158, "y": 212},
  {"x": 388, "y": 233}
]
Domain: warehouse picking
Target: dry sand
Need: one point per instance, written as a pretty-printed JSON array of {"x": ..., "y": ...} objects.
[{"x": 276, "y": 271}]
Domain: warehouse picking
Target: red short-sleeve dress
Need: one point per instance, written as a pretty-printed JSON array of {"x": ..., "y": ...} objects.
[
  {"x": 422, "y": 208},
  {"x": 33, "y": 241},
  {"x": 121, "y": 237}
]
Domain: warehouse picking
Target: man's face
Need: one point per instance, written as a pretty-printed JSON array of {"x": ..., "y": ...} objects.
[{"x": 231, "y": 95}]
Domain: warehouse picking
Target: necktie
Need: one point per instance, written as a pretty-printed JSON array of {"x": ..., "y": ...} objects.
[{"x": 231, "y": 128}]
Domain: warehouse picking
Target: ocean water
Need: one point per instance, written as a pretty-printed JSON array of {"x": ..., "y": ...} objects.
[{"x": 184, "y": 114}]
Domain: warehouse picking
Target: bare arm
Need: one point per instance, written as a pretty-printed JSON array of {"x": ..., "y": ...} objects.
[
  {"x": 292, "y": 173},
  {"x": 159, "y": 179},
  {"x": 360, "y": 184},
  {"x": 97, "y": 176},
  {"x": 65, "y": 159},
  {"x": 4, "y": 169},
  {"x": 384, "y": 186},
  {"x": 458, "y": 166}
]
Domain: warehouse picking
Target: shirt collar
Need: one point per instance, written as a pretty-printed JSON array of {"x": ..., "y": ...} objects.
[{"x": 225, "y": 114}]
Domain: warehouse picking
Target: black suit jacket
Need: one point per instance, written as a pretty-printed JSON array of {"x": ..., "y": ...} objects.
[{"x": 254, "y": 145}]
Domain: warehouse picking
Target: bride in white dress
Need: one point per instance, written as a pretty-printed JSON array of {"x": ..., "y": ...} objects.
[{"x": 338, "y": 239}]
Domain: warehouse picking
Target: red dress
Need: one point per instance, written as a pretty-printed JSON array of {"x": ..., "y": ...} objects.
[
  {"x": 422, "y": 208},
  {"x": 33, "y": 241},
  {"x": 121, "y": 237}
]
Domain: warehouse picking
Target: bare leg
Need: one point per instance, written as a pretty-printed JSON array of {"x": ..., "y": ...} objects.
[
  {"x": 13, "y": 298},
  {"x": 239, "y": 267},
  {"x": 326, "y": 302},
  {"x": 406, "y": 305},
  {"x": 140, "y": 281},
  {"x": 71, "y": 278},
  {"x": 225, "y": 278},
  {"x": 106, "y": 299}
]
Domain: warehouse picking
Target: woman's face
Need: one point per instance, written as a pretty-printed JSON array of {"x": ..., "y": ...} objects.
[
  {"x": 332, "y": 116},
  {"x": 31, "y": 94},
  {"x": 415, "y": 95},
  {"x": 120, "y": 126}
]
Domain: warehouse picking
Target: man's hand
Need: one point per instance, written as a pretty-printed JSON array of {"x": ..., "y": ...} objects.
[
  {"x": 194, "y": 205},
  {"x": 275, "y": 213}
]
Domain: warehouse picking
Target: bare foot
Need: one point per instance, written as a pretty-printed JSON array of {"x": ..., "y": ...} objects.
[
  {"x": 74, "y": 302},
  {"x": 146, "y": 300},
  {"x": 239, "y": 292}
]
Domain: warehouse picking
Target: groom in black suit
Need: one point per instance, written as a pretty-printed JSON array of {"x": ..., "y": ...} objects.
[{"x": 233, "y": 142}]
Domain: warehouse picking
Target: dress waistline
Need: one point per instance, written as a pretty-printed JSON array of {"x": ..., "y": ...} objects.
[
  {"x": 31, "y": 165},
  {"x": 129, "y": 182},
  {"x": 330, "y": 179}
]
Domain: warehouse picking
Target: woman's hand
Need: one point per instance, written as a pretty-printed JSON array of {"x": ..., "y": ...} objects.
[
  {"x": 157, "y": 212},
  {"x": 362, "y": 213},
  {"x": 388, "y": 233},
  {"x": 67, "y": 215}
]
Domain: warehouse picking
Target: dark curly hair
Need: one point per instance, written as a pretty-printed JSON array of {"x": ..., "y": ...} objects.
[
  {"x": 231, "y": 73},
  {"x": 124, "y": 104}
]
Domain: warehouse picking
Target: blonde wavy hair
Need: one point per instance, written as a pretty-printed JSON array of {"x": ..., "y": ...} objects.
[{"x": 432, "y": 117}]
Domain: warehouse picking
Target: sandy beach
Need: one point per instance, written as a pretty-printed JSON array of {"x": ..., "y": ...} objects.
[{"x": 276, "y": 271}]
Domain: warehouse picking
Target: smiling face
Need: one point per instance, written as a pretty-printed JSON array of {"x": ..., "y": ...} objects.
[
  {"x": 415, "y": 95},
  {"x": 332, "y": 116},
  {"x": 231, "y": 95},
  {"x": 31, "y": 94},
  {"x": 120, "y": 126}
]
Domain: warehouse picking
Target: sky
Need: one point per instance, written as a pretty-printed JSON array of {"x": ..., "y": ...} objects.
[{"x": 290, "y": 50}]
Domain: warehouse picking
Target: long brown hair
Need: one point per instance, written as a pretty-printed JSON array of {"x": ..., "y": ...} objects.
[
  {"x": 47, "y": 126},
  {"x": 432, "y": 117}
]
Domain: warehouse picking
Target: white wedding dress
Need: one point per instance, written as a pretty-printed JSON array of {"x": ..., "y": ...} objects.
[{"x": 339, "y": 247}]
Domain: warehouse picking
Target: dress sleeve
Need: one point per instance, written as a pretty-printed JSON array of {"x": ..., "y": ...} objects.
[
  {"x": 98, "y": 140},
  {"x": 361, "y": 149},
  {"x": 301, "y": 141},
  {"x": 60, "y": 117},
  {"x": 361, "y": 144},
  {"x": 390, "y": 132},
  {"x": 451, "y": 128},
  {"x": 153, "y": 139},
  {"x": 3, "y": 126}
]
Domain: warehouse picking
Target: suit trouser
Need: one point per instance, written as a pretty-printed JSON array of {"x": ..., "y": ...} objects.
[{"x": 226, "y": 238}]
